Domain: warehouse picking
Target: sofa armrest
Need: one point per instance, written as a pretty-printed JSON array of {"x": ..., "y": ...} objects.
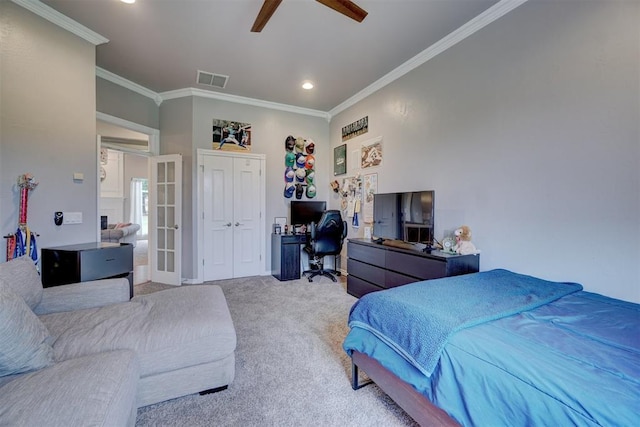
[{"x": 77, "y": 296}]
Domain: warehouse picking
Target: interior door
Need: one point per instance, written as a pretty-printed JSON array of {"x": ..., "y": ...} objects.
[
  {"x": 165, "y": 235},
  {"x": 218, "y": 220},
  {"x": 247, "y": 250},
  {"x": 232, "y": 203}
]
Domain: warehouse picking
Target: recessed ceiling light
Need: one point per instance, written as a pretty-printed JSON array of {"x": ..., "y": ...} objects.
[
  {"x": 307, "y": 85},
  {"x": 128, "y": 1}
]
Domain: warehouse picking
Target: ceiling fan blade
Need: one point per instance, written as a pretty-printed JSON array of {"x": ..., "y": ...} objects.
[
  {"x": 268, "y": 7},
  {"x": 347, "y": 8}
]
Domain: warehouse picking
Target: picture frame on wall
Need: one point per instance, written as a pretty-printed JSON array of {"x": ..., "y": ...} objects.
[
  {"x": 231, "y": 135},
  {"x": 371, "y": 153},
  {"x": 340, "y": 160}
]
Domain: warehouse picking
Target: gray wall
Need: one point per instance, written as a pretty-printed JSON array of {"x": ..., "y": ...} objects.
[
  {"x": 528, "y": 131},
  {"x": 47, "y": 126},
  {"x": 121, "y": 102},
  {"x": 269, "y": 130},
  {"x": 176, "y": 138}
]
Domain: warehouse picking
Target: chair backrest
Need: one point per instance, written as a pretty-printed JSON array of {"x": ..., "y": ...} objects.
[{"x": 327, "y": 236}]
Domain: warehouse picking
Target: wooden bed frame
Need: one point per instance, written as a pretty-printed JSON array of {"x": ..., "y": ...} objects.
[{"x": 415, "y": 404}]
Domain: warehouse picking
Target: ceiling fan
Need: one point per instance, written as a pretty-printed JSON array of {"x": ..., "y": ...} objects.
[{"x": 345, "y": 7}]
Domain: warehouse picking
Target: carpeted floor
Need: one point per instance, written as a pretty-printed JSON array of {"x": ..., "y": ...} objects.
[{"x": 290, "y": 366}]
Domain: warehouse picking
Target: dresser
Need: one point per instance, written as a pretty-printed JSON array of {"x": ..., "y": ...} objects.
[
  {"x": 372, "y": 266},
  {"x": 85, "y": 262}
]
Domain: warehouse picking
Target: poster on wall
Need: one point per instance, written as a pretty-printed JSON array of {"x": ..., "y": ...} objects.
[
  {"x": 340, "y": 160},
  {"x": 371, "y": 153},
  {"x": 370, "y": 188},
  {"x": 356, "y": 128},
  {"x": 231, "y": 135}
]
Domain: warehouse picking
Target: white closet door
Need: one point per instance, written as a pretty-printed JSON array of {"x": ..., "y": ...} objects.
[
  {"x": 218, "y": 218},
  {"x": 247, "y": 251},
  {"x": 231, "y": 189}
]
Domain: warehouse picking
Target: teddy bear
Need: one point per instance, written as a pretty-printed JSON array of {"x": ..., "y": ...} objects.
[{"x": 463, "y": 241}]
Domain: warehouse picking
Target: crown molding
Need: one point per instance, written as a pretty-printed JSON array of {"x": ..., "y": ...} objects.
[
  {"x": 62, "y": 21},
  {"x": 128, "y": 84},
  {"x": 493, "y": 13},
  {"x": 181, "y": 93},
  {"x": 488, "y": 16},
  {"x": 126, "y": 124}
]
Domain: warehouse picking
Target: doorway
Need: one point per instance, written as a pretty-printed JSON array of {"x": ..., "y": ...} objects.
[{"x": 133, "y": 144}]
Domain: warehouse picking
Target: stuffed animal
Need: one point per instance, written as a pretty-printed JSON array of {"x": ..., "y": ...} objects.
[{"x": 463, "y": 241}]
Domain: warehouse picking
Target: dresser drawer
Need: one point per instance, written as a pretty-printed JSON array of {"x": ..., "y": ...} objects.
[
  {"x": 370, "y": 273},
  {"x": 416, "y": 266},
  {"x": 358, "y": 287},
  {"x": 374, "y": 256},
  {"x": 393, "y": 279},
  {"x": 105, "y": 262}
]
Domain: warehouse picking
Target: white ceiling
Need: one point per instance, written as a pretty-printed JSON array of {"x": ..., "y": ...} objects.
[{"x": 160, "y": 44}]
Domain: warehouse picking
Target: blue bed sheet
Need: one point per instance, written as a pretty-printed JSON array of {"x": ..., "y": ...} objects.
[
  {"x": 574, "y": 361},
  {"x": 432, "y": 311}
]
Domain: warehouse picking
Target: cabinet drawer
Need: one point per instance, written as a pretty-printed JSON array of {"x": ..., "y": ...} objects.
[
  {"x": 416, "y": 266},
  {"x": 393, "y": 279},
  {"x": 374, "y": 256},
  {"x": 105, "y": 262},
  {"x": 358, "y": 287},
  {"x": 370, "y": 273}
]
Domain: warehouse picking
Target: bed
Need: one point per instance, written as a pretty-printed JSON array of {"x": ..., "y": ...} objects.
[{"x": 500, "y": 348}]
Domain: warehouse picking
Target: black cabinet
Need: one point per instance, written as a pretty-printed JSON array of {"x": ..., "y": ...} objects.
[
  {"x": 373, "y": 267},
  {"x": 87, "y": 261},
  {"x": 285, "y": 255}
]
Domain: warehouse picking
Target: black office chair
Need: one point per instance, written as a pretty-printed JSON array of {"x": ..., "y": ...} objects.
[{"x": 325, "y": 238}]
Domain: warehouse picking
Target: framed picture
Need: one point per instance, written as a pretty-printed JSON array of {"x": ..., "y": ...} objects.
[
  {"x": 280, "y": 220},
  {"x": 340, "y": 160},
  {"x": 371, "y": 153},
  {"x": 230, "y": 135}
]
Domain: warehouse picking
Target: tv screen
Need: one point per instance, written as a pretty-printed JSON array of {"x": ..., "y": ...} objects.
[
  {"x": 407, "y": 216},
  {"x": 305, "y": 212}
]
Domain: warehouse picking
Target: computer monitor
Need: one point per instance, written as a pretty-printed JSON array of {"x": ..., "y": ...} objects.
[{"x": 306, "y": 212}]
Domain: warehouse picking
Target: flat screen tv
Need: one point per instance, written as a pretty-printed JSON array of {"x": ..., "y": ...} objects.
[
  {"x": 407, "y": 216},
  {"x": 306, "y": 212}
]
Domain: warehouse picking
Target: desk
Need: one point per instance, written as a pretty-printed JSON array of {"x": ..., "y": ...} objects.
[{"x": 285, "y": 255}]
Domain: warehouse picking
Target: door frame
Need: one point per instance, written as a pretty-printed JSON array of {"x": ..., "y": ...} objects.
[
  {"x": 154, "y": 150},
  {"x": 201, "y": 152}
]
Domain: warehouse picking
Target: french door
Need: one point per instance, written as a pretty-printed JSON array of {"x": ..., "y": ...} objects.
[{"x": 165, "y": 235}]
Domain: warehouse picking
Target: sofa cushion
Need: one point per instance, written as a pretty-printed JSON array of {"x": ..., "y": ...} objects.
[
  {"x": 21, "y": 275},
  {"x": 169, "y": 329},
  {"x": 98, "y": 390},
  {"x": 24, "y": 344}
]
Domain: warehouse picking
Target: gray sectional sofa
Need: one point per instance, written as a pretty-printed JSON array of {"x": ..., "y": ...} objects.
[
  {"x": 120, "y": 233},
  {"x": 84, "y": 354}
]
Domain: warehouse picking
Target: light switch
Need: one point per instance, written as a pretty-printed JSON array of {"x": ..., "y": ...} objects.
[
  {"x": 78, "y": 176},
  {"x": 72, "y": 218}
]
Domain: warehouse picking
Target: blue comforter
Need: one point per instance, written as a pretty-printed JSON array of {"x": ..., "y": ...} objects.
[{"x": 433, "y": 310}]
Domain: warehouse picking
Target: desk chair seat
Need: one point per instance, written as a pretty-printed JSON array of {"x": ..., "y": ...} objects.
[{"x": 325, "y": 238}]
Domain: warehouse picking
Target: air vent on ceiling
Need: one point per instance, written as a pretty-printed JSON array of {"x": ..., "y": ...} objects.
[{"x": 210, "y": 79}]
